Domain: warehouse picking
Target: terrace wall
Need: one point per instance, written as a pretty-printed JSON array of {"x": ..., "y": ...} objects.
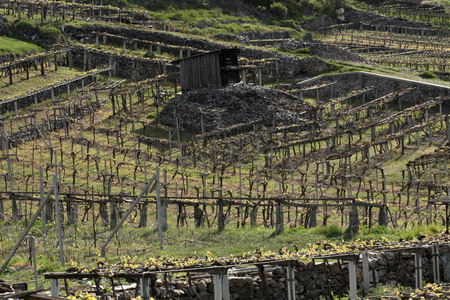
[
  {"x": 348, "y": 82},
  {"x": 312, "y": 280},
  {"x": 289, "y": 66}
]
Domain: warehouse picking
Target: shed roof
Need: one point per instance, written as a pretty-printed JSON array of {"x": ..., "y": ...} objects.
[{"x": 206, "y": 53}]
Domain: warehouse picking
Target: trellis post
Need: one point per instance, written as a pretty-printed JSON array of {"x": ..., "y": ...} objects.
[
  {"x": 43, "y": 215},
  {"x": 54, "y": 291},
  {"x": 145, "y": 288},
  {"x": 130, "y": 209},
  {"x": 365, "y": 269},
  {"x": 435, "y": 259},
  {"x": 352, "y": 279},
  {"x": 24, "y": 234},
  {"x": 221, "y": 285},
  {"x": 161, "y": 208},
  {"x": 58, "y": 219},
  {"x": 418, "y": 268},
  {"x": 313, "y": 217},
  {"x": 279, "y": 217},
  {"x": 290, "y": 281}
]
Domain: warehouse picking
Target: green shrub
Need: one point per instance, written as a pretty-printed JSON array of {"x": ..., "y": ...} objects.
[
  {"x": 303, "y": 51},
  {"x": 50, "y": 33},
  {"x": 427, "y": 75},
  {"x": 279, "y": 9},
  {"x": 24, "y": 25}
]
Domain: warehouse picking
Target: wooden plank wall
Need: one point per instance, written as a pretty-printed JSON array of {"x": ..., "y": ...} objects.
[{"x": 200, "y": 72}]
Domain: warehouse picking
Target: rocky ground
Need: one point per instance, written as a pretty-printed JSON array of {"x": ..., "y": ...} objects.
[
  {"x": 234, "y": 105},
  {"x": 362, "y": 17},
  {"x": 366, "y": 17},
  {"x": 322, "y": 50}
]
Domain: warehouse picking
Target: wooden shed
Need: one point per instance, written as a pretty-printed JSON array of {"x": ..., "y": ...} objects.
[{"x": 213, "y": 69}]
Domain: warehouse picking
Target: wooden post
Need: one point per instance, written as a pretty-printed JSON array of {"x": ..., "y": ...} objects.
[
  {"x": 130, "y": 209},
  {"x": 253, "y": 216},
  {"x": 279, "y": 217},
  {"x": 220, "y": 215},
  {"x": 10, "y": 75},
  {"x": 418, "y": 268},
  {"x": 145, "y": 288},
  {"x": 51, "y": 13},
  {"x": 352, "y": 279},
  {"x": 161, "y": 208},
  {"x": 447, "y": 127},
  {"x": 54, "y": 287},
  {"x": 112, "y": 212},
  {"x": 221, "y": 287},
  {"x": 365, "y": 268},
  {"x": 58, "y": 219},
  {"x": 43, "y": 215},
  {"x": 290, "y": 281},
  {"x": 435, "y": 259},
  {"x": 313, "y": 217},
  {"x": 25, "y": 233}
]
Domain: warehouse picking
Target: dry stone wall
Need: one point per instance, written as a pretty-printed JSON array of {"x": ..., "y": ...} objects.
[
  {"x": 125, "y": 66},
  {"x": 312, "y": 280},
  {"x": 289, "y": 66},
  {"x": 348, "y": 82}
]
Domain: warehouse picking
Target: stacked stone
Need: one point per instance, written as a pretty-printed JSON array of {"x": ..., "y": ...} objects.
[
  {"x": 236, "y": 105},
  {"x": 396, "y": 268},
  {"x": 312, "y": 280}
]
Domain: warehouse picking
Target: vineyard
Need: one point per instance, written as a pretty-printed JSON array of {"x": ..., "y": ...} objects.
[
  {"x": 416, "y": 49},
  {"x": 114, "y": 161}
]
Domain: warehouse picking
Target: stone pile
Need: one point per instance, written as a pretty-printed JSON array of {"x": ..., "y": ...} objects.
[
  {"x": 232, "y": 38},
  {"x": 224, "y": 107}
]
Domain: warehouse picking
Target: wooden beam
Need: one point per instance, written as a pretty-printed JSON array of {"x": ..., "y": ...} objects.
[{"x": 41, "y": 297}]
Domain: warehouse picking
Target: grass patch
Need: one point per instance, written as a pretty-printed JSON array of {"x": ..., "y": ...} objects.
[
  {"x": 427, "y": 75},
  {"x": 21, "y": 84},
  {"x": 331, "y": 231},
  {"x": 12, "y": 45}
]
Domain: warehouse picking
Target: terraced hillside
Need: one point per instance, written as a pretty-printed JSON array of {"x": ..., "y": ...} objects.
[{"x": 102, "y": 152}]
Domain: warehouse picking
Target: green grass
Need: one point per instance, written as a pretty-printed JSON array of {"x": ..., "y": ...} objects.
[
  {"x": 427, "y": 75},
  {"x": 179, "y": 242},
  {"x": 21, "y": 84},
  {"x": 11, "y": 45}
]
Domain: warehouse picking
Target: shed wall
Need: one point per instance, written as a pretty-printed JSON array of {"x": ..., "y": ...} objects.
[{"x": 200, "y": 72}]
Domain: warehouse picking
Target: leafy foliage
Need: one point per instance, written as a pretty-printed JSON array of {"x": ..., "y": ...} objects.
[
  {"x": 23, "y": 25},
  {"x": 279, "y": 9},
  {"x": 50, "y": 33},
  {"x": 427, "y": 75}
]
